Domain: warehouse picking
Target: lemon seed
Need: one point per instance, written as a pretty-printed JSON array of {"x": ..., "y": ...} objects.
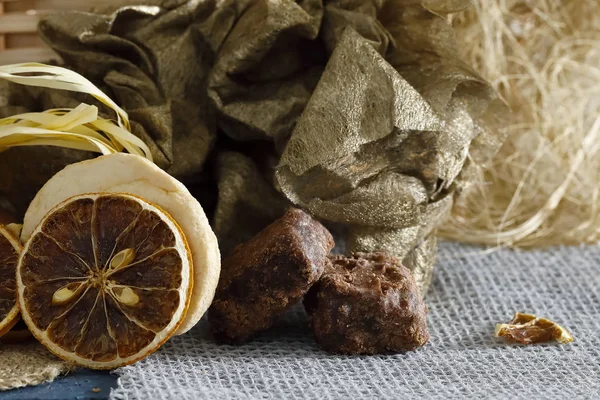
[
  {"x": 128, "y": 297},
  {"x": 122, "y": 259},
  {"x": 62, "y": 295}
]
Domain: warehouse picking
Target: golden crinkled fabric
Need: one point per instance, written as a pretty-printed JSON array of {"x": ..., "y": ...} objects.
[
  {"x": 246, "y": 198},
  {"x": 368, "y": 117},
  {"x": 421, "y": 260}
]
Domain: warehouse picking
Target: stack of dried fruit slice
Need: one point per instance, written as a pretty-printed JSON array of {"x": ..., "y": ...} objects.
[
  {"x": 127, "y": 173},
  {"x": 118, "y": 254},
  {"x": 118, "y": 257}
]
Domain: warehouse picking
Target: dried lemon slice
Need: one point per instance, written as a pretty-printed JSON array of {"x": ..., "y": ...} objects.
[
  {"x": 105, "y": 279},
  {"x": 128, "y": 173},
  {"x": 9, "y": 256}
]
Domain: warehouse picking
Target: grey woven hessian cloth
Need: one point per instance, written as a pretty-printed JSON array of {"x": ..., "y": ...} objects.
[{"x": 472, "y": 291}]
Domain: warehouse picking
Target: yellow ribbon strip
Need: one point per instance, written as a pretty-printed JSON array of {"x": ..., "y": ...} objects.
[{"x": 79, "y": 128}]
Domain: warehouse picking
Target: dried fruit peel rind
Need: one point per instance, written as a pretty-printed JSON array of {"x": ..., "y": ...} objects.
[{"x": 530, "y": 329}]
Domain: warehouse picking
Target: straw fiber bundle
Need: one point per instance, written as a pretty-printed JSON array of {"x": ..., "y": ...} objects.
[{"x": 542, "y": 188}]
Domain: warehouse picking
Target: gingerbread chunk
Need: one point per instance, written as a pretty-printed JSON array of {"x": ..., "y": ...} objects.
[
  {"x": 367, "y": 304},
  {"x": 267, "y": 275}
]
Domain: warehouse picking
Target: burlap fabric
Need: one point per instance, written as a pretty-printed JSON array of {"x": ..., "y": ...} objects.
[{"x": 28, "y": 364}]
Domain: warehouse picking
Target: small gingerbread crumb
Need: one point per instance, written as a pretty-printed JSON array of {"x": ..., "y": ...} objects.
[{"x": 96, "y": 390}]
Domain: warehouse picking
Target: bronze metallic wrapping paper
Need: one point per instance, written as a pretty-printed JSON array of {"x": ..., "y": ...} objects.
[{"x": 361, "y": 111}]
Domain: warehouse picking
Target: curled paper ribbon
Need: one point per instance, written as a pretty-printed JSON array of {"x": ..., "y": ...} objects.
[{"x": 79, "y": 128}]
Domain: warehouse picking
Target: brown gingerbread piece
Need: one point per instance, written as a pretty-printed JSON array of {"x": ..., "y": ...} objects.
[
  {"x": 267, "y": 275},
  {"x": 367, "y": 304}
]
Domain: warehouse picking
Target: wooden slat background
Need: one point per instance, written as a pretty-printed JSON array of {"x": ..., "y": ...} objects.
[{"x": 19, "y": 41}]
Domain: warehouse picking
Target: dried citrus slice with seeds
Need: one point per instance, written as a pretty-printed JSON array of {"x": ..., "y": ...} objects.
[
  {"x": 105, "y": 279},
  {"x": 9, "y": 256},
  {"x": 128, "y": 173}
]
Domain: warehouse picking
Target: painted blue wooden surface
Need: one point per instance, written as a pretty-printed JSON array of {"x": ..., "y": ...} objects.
[{"x": 79, "y": 385}]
